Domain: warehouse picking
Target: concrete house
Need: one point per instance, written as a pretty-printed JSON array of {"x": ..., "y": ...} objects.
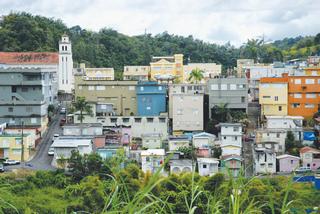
[
  {"x": 152, "y": 160},
  {"x": 176, "y": 142},
  {"x": 264, "y": 161},
  {"x": 287, "y": 163},
  {"x": 140, "y": 72},
  {"x": 231, "y": 90},
  {"x": 181, "y": 166},
  {"x": 231, "y": 138},
  {"x": 207, "y": 166},
  {"x": 92, "y": 129},
  {"x": 152, "y": 141},
  {"x": 151, "y": 98},
  {"x": 310, "y": 157},
  {"x": 231, "y": 165},
  {"x": 25, "y": 94},
  {"x": 203, "y": 140},
  {"x": 275, "y": 136}
]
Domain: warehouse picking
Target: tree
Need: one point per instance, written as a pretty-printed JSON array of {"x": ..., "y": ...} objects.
[
  {"x": 83, "y": 106},
  {"x": 221, "y": 113},
  {"x": 196, "y": 75},
  {"x": 317, "y": 39},
  {"x": 214, "y": 182},
  {"x": 289, "y": 142}
]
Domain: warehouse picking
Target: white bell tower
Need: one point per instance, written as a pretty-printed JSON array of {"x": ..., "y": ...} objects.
[{"x": 65, "y": 65}]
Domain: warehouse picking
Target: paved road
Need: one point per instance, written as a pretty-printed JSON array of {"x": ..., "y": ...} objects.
[{"x": 41, "y": 160}]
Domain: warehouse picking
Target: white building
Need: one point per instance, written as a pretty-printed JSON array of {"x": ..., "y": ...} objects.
[
  {"x": 181, "y": 166},
  {"x": 210, "y": 70},
  {"x": 287, "y": 123},
  {"x": 176, "y": 142},
  {"x": 203, "y": 140},
  {"x": 264, "y": 161},
  {"x": 277, "y": 136},
  {"x": 92, "y": 129},
  {"x": 152, "y": 141},
  {"x": 65, "y": 75},
  {"x": 152, "y": 160},
  {"x": 63, "y": 146},
  {"x": 231, "y": 138},
  {"x": 207, "y": 166}
]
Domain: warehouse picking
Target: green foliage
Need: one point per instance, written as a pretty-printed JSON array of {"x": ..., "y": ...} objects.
[
  {"x": 83, "y": 107},
  {"x": 214, "y": 182},
  {"x": 196, "y": 76}
]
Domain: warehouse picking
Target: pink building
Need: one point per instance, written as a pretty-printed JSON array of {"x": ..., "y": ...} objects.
[
  {"x": 203, "y": 152},
  {"x": 310, "y": 157},
  {"x": 287, "y": 163}
]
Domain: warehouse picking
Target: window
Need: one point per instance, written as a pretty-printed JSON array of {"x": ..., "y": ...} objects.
[
  {"x": 149, "y": 120},
  {"x": 125, "y": 120},
  {"x": 311, "y": 95},
  {"x": 241, "y": 86},
  {"x": 190, "y": 88},
  {"x": 318, "y": 81},
  {"x": 137, "y": 120},
  {"x": 91, "y": 88},
  {"x": 10, "y": 109},
  {"x": 224, "y": 87},
  {"x": 113, "y": 120},
  {"x": 100, "y": 87},
  {"x": 297, "y": 81},
  {"x": 297, "y": 95},
  {"x": 309, "y": 81},
  {"x": 233, "y": 87},
  {"x": 235, "y": 129},
  {"x": 276, "y": 98},
  {"x": 33, "y": 120},
  {"x": 291, "y": 161},
  {"x": 80, "y": 87},
  {"x": 13, "y": 89},
  {"x": 235, "y": 138},
  {"x": 266, "y": 97},
  {"x": 162, "y": 120},
  {"x": 214, "y": 87},
  {"x": 141, "y": 88},
  {"x": 278, "y": 135},
  {"x": 179, "y": 111},
  {"x": 224, "y": 137},
  {"x": 309, "y": 105},
  {"x": 131, "y": 88},
  {"x": 182, "y": 89},
  {"x": 160, "y": 88},
  {"x": 280, "y": 108},
  {"x": 66, "y": 48},
  {"x": 195, "y": 112},
  {"x": 243, "y": 99},
  {"x": 204, "y": 166}
]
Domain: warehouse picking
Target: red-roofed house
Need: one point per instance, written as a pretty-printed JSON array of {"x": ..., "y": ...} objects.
[
  {"x": 29, "y": 58},
  {"x": 310, "y": 157}
]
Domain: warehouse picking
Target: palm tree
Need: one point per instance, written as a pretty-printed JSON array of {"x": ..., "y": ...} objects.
[
  {"x": 221, "y": 113},
  {"x": 196, "y": 75},
  {"x": 83, "y": 106}
]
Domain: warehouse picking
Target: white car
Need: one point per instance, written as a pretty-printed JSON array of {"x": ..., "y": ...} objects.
[
  {"x": 63, "y": 110},
  {"x": 55, "y": 136},
  {"x": 11, "y": 162},
  {"x": 51, "y": 151}
]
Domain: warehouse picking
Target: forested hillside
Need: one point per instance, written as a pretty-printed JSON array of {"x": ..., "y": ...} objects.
[{"x": 108, "y": 48}]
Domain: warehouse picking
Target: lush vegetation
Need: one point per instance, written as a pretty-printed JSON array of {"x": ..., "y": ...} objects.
[
  {"x": 108, "y": 48},
  {"x": 96, "y": 186}
]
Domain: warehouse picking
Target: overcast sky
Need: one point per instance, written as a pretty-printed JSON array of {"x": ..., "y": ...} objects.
[{"x": 216, "y": 21}]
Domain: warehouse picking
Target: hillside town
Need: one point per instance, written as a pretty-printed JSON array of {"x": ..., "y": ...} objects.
[{"x": 255, "y": 119}]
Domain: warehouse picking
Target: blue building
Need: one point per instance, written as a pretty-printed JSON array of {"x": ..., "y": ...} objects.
[{"x": 151, "y": 98}]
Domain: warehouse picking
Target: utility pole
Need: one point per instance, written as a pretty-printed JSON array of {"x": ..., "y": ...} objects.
[{"x": 22, "y": 147}]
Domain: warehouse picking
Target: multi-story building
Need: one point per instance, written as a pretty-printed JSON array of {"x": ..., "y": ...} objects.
[
  {"x": 231, "y": 138},
  {"x": 303, "y": 95},
  {"x": 151, "y": 98},
  {"x": 11, "y": 146},
  {"x": 152, "y": 160},
  {"x": 273, "y": 96},
  {"x": 66, "y": 80},
  {"x": 176, "y": 142},
  {"x": 242, "y": 63},
  {"x": 107, "y": 97},
  {"x": 25, "y": 95},
  {"x": 264, "y": 161},
  {"x": 233, "y": 91},
  {"x": 140, "y": 72},
  {"x": 95, "y": 73},
  {"x": 164, "y": 66},
  {"x": 210, "y": 70},
  {"x": 310, "y": 157},
  {"x": 275, "y": 137}
]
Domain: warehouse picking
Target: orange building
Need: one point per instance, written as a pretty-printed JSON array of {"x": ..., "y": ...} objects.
[{"x": 304, "y": 94}]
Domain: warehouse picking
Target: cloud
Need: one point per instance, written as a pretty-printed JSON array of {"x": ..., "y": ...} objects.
[{"x": 217, "y": 21}]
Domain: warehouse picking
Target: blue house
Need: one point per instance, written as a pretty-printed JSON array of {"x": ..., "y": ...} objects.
[{"x": 151, "y": 98}]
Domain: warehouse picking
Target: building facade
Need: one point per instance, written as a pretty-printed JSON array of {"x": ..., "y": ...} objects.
[
  {"x": 151, "y": 98},
  {"x": 264, "y": 161},
  {"x": 210, "y": 70},
  {"x": 287, "y": 163},
  {"x": 152, "y": 160},
  {"x": 164, "y": 66},
  {"x": 273, "y": 96},
  {"x": 207, "y": 166},
  {"x": 139, "y": 73},
  {"x": 231, "y": 138},
  {"x": 233, "y": 91}
]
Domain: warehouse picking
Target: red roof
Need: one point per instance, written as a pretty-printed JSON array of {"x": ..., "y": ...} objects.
[
  {"x": 309, "y": 149},
  {"x": 18, "y": 58}
]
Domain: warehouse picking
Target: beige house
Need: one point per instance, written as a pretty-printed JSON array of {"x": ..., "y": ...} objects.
[
  {"x": 136, "y": 72},
  {"x": 108, "y": 97},
  {"x": 210, "y": 70},
  {"x": 187, "y": 112},
  {"x": 95, "y": 73}
]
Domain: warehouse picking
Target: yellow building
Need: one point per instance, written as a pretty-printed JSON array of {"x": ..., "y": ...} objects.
[
  {"x": 312, "y": 71},
  {"x": 10, "y": 146},
  {"x": 273, "y": 96},
  {"x": 166, "y": 66},
  {"x": 95, "y": 73}
]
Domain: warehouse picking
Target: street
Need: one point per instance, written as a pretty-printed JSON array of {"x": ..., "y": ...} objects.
[{"x": 41, "y": 159}]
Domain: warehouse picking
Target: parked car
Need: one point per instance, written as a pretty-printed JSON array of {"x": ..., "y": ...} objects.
[
  {"x": 302, "y": 170},
  {"x": 11, "y": 162},
  {"x": 63, "y": 110},
  {"x": 51, "y": 151},
  {"x": 62, "y": 121},
  {"x": 55, "y": 136},
  {"x": 1, "y": 168}
]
